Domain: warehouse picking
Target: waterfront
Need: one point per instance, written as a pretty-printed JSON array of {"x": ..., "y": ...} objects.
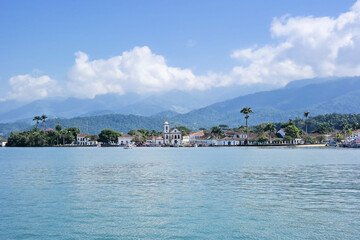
[{"x": 179, "y": 193}]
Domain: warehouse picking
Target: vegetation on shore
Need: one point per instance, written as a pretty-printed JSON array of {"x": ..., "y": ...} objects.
[{"x": 321, "y": 125}]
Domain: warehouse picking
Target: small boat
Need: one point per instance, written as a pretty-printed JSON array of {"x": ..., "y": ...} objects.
[{"x": 128, "y": 146}]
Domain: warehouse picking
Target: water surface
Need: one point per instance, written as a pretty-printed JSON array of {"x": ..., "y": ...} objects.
[{"x": 179, "y": 193}]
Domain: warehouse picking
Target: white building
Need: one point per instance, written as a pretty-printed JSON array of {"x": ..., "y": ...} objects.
[
  {"x": 193, "y": 137},
  {"x": 171, "y": 137},
  {"x": 83, "y": 139},
  {"x": 125, "y": 139},
  {"x": 228, "y": 141},
  {"x": 186, "y": 139}
]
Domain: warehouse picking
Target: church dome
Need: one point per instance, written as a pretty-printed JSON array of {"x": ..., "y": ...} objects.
[{"x": 166, "y": 123}]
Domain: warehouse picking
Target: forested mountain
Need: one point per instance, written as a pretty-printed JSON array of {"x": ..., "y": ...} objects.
[
  {"x": 340, "y": 95},
  {"x": 318, "y": 96},
  {"x": 130, "y": 103}
]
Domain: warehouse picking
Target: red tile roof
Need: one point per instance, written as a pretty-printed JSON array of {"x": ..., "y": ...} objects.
[
  {"x": 200, "y": 133},
  {"x": 83, "y": 135},
  {"x": 126, "y": 136}
]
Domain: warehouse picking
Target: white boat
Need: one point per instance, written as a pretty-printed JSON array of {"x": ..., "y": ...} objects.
[{"x": 129, "y": 146}]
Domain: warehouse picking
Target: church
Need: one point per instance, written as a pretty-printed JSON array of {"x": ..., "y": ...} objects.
[{"x": 171, "y": 137}]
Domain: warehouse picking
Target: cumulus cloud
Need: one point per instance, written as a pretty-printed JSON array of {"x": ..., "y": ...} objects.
[
  {"x": 138, "y": 70},
  {"x": 28, "y": 88},
  {"x": 307, "y": 47},
  {"x": 304, "y": 47}
]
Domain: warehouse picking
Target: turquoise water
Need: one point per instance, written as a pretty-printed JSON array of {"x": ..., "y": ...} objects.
[{"x": 179, "y": 193}]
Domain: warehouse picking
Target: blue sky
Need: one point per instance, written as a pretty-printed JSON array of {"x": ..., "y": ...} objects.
[{"x": 198, "y": 40}]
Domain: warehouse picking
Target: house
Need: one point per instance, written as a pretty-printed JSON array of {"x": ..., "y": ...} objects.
[
  {"x": 186, "y": 139},
  {"x": 234, "y": 134},
  {"x": 355, "y": 135},
  {"x": 125, "y": 139},
  {"x": 206, "y": 140},
  {"x": 280, "y": 133},
  {"x": 228, "y": 141},
  {"x": 83, "y": 139},
  {"x": 159, "y": 140},
  {"x": 193, "y": 137},
  {"x": 171, "y": 137},
  {"x": 3, "y": 143}
]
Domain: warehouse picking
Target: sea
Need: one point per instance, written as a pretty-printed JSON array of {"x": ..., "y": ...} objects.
[{"x": 179, "y": 193}]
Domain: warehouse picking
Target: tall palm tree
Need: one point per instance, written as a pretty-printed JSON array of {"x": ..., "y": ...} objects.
[
  {"x": 306, "y": 114},
  {"x": 37, "y": 119},
  {"x": 270, "y": 128},
  {"x": 246, "y": 111},
  {"x": 43, "y": 118}
]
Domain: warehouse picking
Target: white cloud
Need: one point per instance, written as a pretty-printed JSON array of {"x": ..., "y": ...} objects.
[
  {"x": 304, "y": 47},
  {"x": 138, "y": 70},
  {"x": 307, "y": 47},
  {"x": 28, "y": 88}
]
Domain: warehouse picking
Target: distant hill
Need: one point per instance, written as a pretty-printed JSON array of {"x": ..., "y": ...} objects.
[
  {"x": 130, "y": 103},
  {"x": 340, "y": 95},
  {"x": 93, "y": 124},
  {"x": 319, "y": 96}
]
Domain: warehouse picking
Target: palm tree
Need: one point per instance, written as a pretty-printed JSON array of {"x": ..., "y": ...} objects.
[
  {"x": 217, "y": 131},
  {"x": 37, "y": 119},
  {"x": 345, "y": 126},
  {"x": 270, "y": 128},
  {"x": 43, "y": 118},
  {"x": 306, "y": 114},
  {"x": 246, "y": 111}
]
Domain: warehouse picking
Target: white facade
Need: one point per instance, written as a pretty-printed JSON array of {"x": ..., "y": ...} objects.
[
  {"x": 186, "y": 139},
  {"x": 126, "y": 139},
  {"x": 3, "y": 144},
  {"x": 194, "y": 137},
  {"x": 227, "y": 142},
  {"x": 84, "y": 140},
  {"x": 171, "y": 136}
]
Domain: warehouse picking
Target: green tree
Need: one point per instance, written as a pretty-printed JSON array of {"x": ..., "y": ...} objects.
[
  {"x": 262, "y": 139},
  {"x": 37, "y": 119},
  {"x": 292, "y": 131},
  {"x": 109, "y": 135},
  {"x": 74, "y": 131},
  {"x": 306, "y": 115},
  {"x": 58, "y": 128},
  {"x": 321, "y": 138},
  {"x": 339, "y": 137},
  {"x": 132, "y": 132},
  {"x": 139, "y": 138},
  {"x": 94, "y": 137},
  {"x": 323, "y": 128},
  {"x": 43, "y": 118},
  {"x": 184, "y": 130},
  {"x": 308, "y": 139},
  {"x": 270, "y": 128},
  {"x": 217, "y": 132},
  {"x": 246, "y": 111}
]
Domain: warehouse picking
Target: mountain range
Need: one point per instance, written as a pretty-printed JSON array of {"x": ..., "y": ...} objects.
[
  {"x": 130, "y": 103},
  {"x": 318, "y": 96}
]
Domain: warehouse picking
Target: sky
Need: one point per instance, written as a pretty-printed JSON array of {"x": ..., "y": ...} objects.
[{"x": 86, "y": 48}]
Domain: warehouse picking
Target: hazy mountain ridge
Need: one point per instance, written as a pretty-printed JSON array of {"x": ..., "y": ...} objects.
[
  {"x": 337, "y": 95},
  {"x": 130, "y": 103},
  {"x": 340, "y": 95}
]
